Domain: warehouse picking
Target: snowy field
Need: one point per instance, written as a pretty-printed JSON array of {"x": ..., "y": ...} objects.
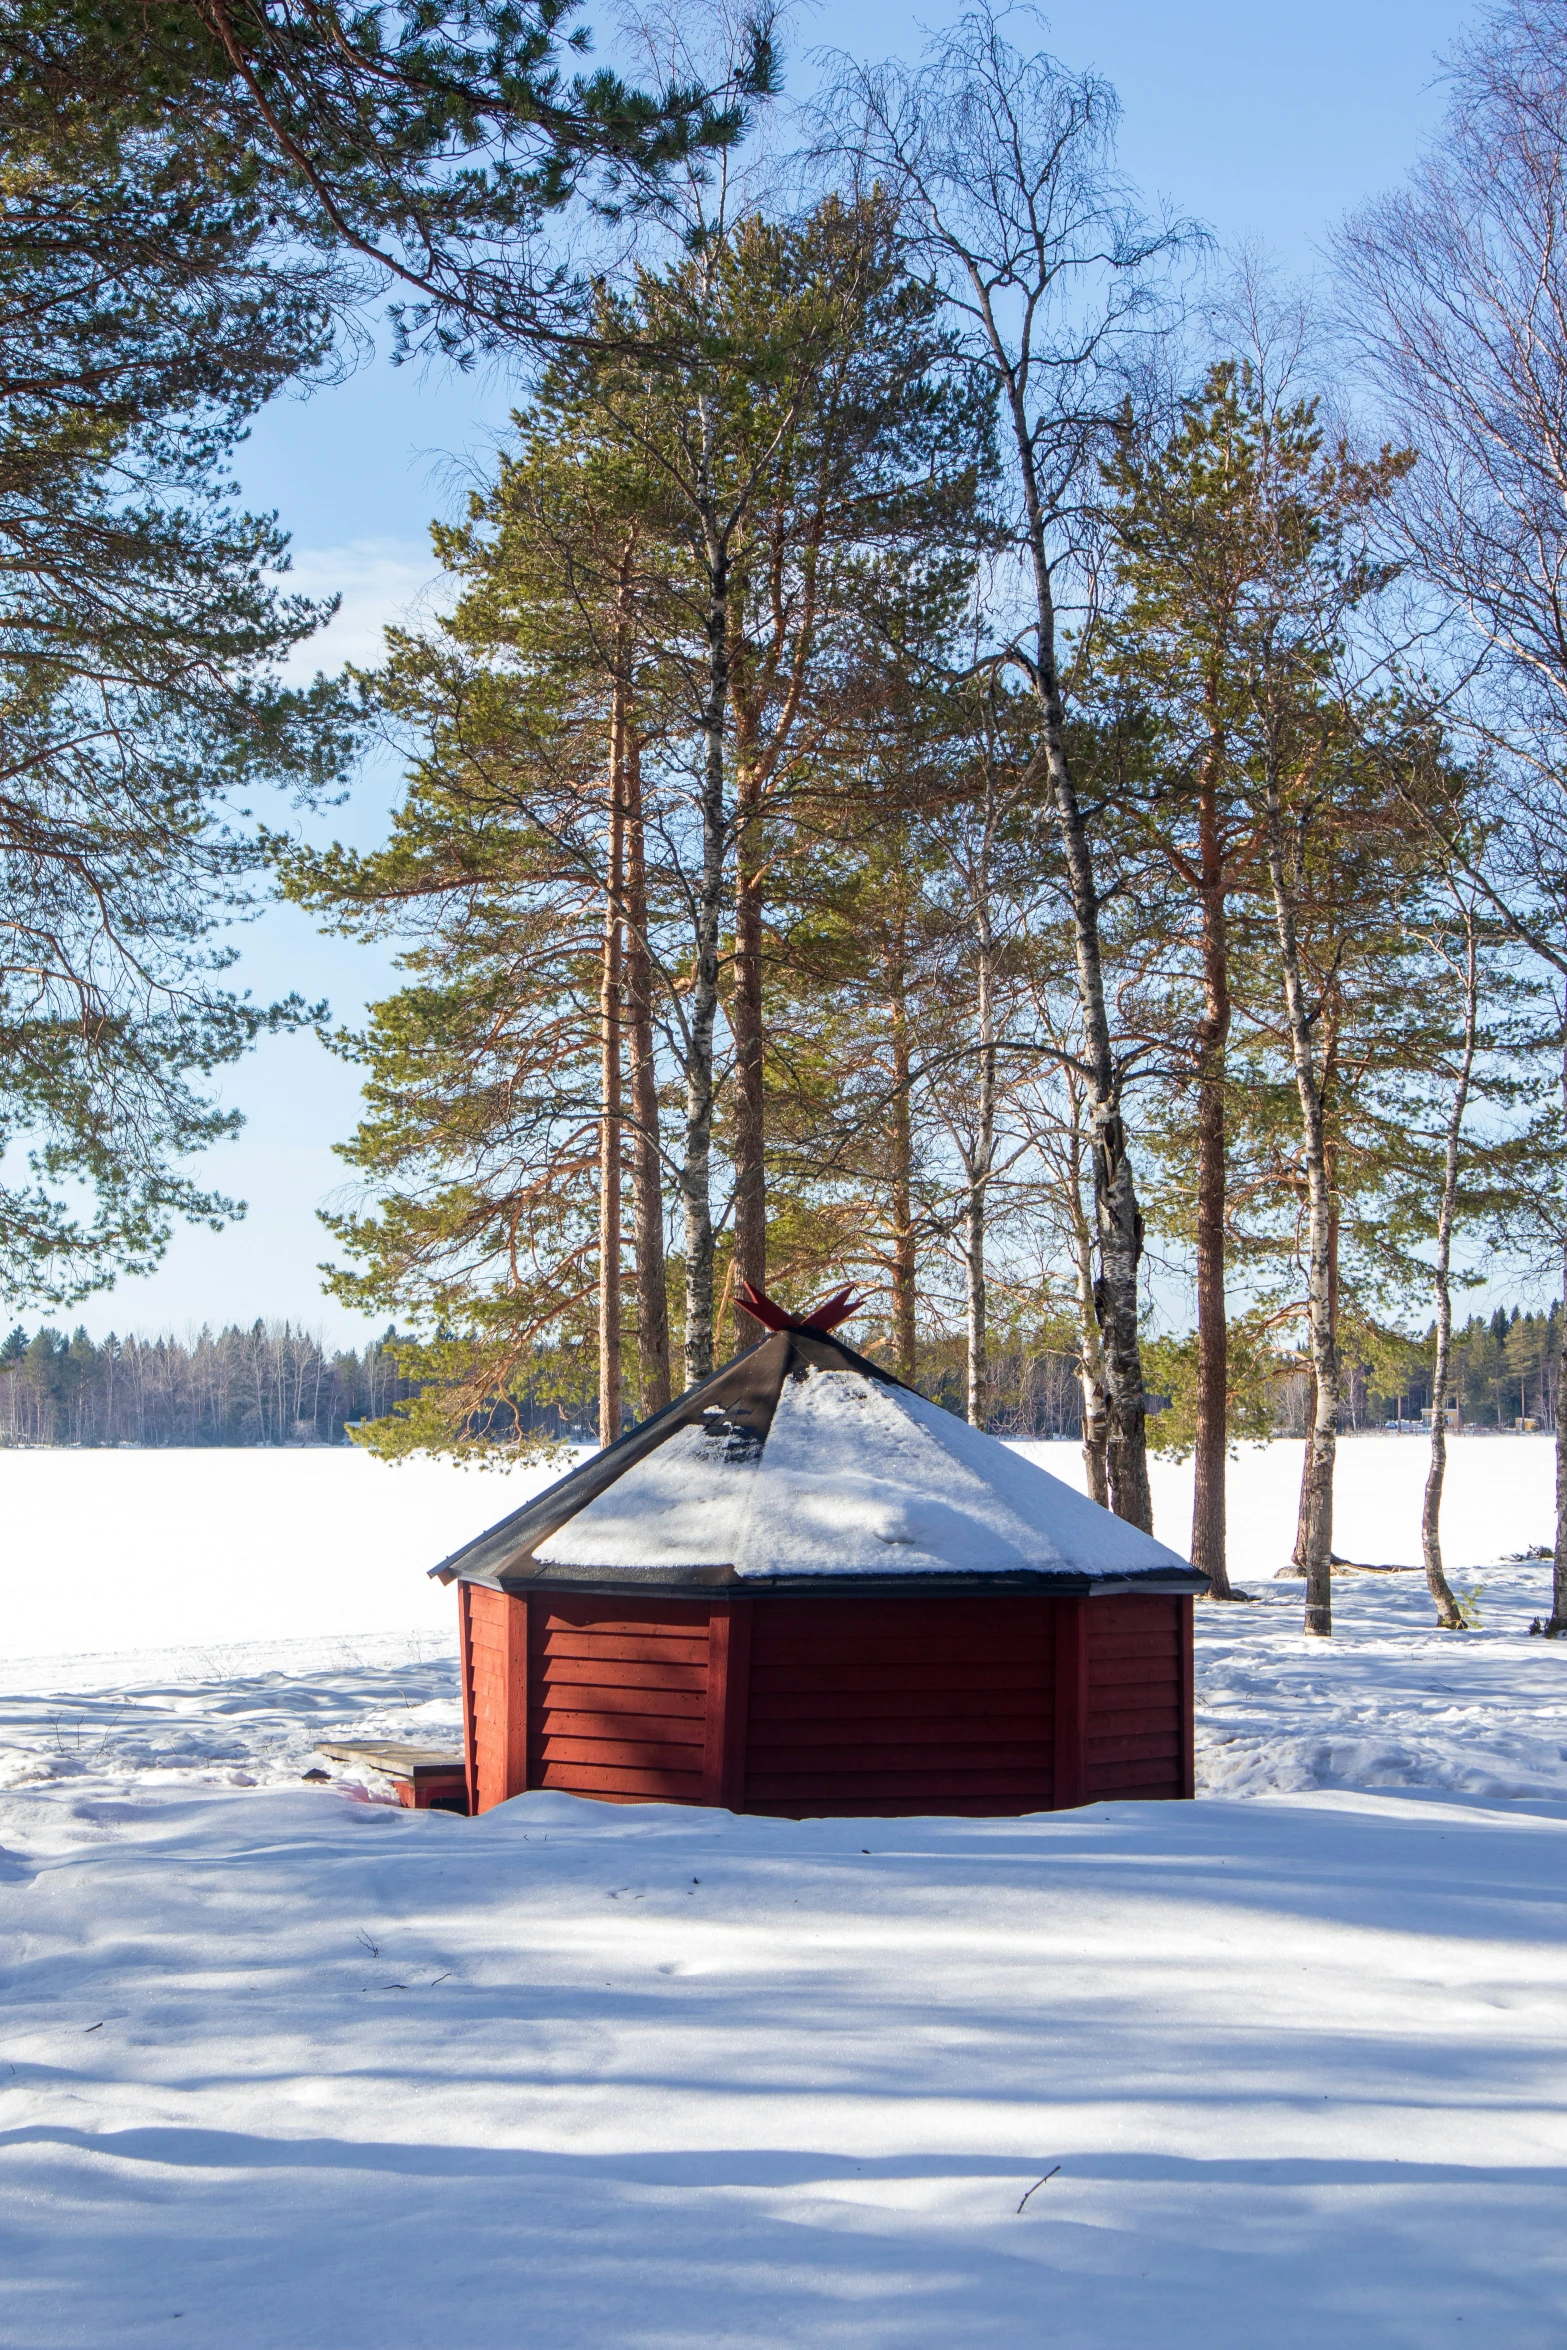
[{"x": 285, "y": 2068}]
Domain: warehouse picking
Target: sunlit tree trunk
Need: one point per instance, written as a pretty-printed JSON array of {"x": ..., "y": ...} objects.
[
  {"x": 904, "y": 1264},
  {"x": 647, "y": 1159},
  {"x": 746, "y": 1018},
  {"x": 610, "y": 1081},
  {"x": 1322, "y": 1441},
  {"x": 1447, "y": 1612},
  {"x": 981, "y": 1157},
  {"x": 1211, "y": 1452},
  {"x": 701, "y": 995},
  {"x": 1558, "y": 1623},
  {"x": 1117, "y": 1218},
  {"x": 1091, "y": 1376}
]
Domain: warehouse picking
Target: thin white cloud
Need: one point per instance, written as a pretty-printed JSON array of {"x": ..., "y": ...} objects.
[{"x": 379, "y": 582}]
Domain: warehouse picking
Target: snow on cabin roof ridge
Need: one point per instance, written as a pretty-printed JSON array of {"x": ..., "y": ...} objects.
[
  {"x": 803, "y": 1462},
  {"x": 745, "y": 1388}
]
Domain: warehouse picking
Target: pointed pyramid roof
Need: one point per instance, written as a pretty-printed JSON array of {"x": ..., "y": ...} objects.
[{"x": 803, "y": 1465}]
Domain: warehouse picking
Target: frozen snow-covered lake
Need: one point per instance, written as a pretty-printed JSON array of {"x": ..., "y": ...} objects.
[
  {"x": 198, "y": 1560},
  {"x": 216, "y": 1612},
  {"x": 190, "y": 1557},
  {"x": 285, "y": 2066}
]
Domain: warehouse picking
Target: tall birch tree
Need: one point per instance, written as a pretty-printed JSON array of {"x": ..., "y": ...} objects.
[
  {"x": 1011, "y": 208},
  {"x": 1456, "y": 290}
]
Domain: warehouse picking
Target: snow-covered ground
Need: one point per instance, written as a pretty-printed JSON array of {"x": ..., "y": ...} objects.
[
  {"x": 284, "y": 2068},
  {"x": 285, "y": 2071}
]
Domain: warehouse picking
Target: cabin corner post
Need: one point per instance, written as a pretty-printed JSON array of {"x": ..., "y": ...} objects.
[
  {"x": 470, "y": 1730},
  {"x": 516, "y": 1769},
  {"x": 1185, "y": 1635},
  {"x": 728, "y": 1704},
  {"x": 1070, "y": 1786}
]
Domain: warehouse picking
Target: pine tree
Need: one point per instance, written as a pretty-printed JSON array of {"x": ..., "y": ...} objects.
[
  {"x": 1191, "y": 533},
  {"x": 483, "y": 1142},
  {"x": 1250, "y": 659},
  {"x": 426, "y": 149},
  {"x": 666, "y": 603},
  {"x": 787, "y": 397}
]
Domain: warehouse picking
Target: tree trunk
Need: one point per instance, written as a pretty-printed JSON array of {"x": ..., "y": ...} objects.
[
  {"x": 978, "y": 1366},
  {"x": 1117, "y": 1220},
  {"x": 1302, "y": 1508},
  {"x": 609, "y": 1081},
  {"x": 701, "y": 1008},
  {"x": 647, "y": 1159},
  {"x": 1322, "y": 1443},
  {"x": 749, "y": 1134},
  {"x": 1096, "y": 1402},
  {"x": 905, "y": 1346},
  {"x": 1557, "y": 1626},
  {"x": 1308, "y": 1489},
  {"x": 1120, "y": 1230},
  {"x": 1447, "y": 1614},
  {"x": 1213, "y": 1380},
  {"x": 981, "y": 1162}
]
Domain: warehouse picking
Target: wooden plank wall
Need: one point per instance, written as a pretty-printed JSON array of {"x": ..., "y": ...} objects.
[
  {"x": 618, "y": 1698},
  {"x": 899, "y": 1706},
  {"x": 496, "y": 1693},
  {"x": 728, "y": 1704},
  {"x": 470, "y": 1733},
  {"x": 1071, "y": 1717},
  {"x": 1138, "y": 1697},
  {"x": 805, "y": 1707},
  {"x": 1187, "y": 1701}
]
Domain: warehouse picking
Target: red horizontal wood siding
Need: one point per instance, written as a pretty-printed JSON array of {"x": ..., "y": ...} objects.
[
  {"x": 465, "y": 1690},
  {"x": 968, "y": 1705},
  {"x": 889, "y": 1706},
  {"x": 495, "y": 1694},
  {"x": 618, "y": 1698},
  {"x": 1136, "y": 1741}
]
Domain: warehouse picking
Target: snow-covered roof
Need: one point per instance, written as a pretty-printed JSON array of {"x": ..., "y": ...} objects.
[{"x": 803, "y": 1463}]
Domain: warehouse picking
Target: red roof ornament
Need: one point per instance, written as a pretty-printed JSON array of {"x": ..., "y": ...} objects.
[{"x": 825, "y": 1317}]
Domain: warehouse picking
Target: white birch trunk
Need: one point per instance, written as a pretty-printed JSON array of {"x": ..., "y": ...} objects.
[{"x": 1322, "y": 1442}]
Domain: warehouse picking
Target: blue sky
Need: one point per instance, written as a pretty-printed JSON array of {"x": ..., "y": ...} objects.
[{"x": 1264, "y": 121}]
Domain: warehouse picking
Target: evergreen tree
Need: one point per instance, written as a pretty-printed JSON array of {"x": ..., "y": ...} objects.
[
  {"x": 664, "y": 601},
  {"x": 1191, "y": 532},
  {"x": 428, "y": 148},
  {"x": 139, "y": 628}
]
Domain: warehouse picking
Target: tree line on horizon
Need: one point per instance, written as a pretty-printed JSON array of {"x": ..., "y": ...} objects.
[
  {"x": 272, "y": 1384},
  {"x": 974, "y": 747}
]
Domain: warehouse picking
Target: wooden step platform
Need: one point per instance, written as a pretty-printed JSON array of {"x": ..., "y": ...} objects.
[{"x": 427, "y": 1778}]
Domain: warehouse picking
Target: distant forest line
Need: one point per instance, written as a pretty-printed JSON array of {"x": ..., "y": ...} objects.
[
  {"x": 267, "y": 1384},
  {"x": 272, "y": 1384}
]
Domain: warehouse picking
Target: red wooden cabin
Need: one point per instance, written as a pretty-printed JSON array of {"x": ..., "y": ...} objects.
[{"x": 803, "y": 1589}]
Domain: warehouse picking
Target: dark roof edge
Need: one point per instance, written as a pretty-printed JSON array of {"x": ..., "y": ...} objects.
[{"x": 725, "y": 1583}]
